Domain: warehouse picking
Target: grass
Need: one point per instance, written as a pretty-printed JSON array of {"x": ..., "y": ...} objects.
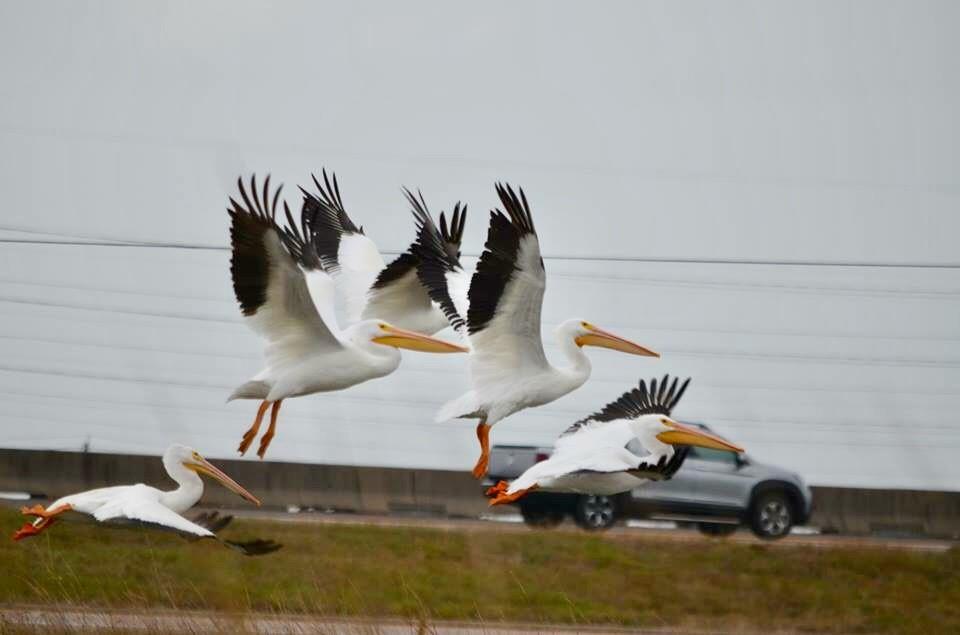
[{"x": 542, "y": 577}]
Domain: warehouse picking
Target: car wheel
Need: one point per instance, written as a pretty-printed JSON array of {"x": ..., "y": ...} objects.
[
  {"x": 716, "y": 529},
  {"x": 772, "y": 516},
  {"x": 595, "y": 512},
  {"x": 540, "y": 516}
]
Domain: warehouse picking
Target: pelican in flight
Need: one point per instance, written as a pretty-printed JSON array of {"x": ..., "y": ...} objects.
[
  {"x": 499, "y": 313},
  {"x": 288, "y": 299},
  {"x": 592, "y": 455},
  {"x": 144, "y": 505},
  {"x": 369, "y": 287}
]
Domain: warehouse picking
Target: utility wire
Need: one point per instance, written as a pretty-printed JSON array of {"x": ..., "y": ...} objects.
[{"x": 573, "y": 258}]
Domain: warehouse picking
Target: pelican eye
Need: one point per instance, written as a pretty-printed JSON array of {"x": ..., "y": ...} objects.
[
  {"x": 196, "y": 456},
  {"x": 586, "y": 325}
]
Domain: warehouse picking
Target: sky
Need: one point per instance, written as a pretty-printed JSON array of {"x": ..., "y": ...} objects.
[{"x": 765, "y": 192}]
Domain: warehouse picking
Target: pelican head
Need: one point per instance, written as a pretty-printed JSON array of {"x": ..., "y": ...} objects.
[
  {"x": 181, "y": 455},
  {"x": 586, "y": 334},
  {"x": 652, "y": 429},
  {"x": 380, "y": 332}
]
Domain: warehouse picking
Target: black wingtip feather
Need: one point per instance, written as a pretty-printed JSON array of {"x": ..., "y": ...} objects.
[
  {"x": 436, "y": 255},
  {"x": 325, "y": 220},
  {"x": 498, "y": 262},
  {"x": 639, "y": 401},
  {"x": 250, "y": 221},
  {"x": 664, "y": 469}
]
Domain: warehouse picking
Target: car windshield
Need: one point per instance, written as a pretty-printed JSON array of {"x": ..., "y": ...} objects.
[{"x": 710, "y": 454}]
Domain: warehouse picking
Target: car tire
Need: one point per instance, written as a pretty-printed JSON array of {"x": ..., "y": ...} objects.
[
  {"x": 540, "y": 516},
  {"x": 717, "y": 530},
  {"x": 771, "y": 515},
  {"x": 595, "y": 513}
]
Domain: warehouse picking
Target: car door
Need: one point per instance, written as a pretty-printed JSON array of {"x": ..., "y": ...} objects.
[{"x": 717, "y": 477}]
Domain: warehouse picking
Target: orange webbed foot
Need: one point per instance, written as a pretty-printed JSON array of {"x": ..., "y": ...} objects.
[
  {"x": 26, "y": 531},
  {"x": 248, "y": 438},
  {"x": 264, "y": 444},
  {"x": 496, "y": 490},
  {"x": 503, "y": 498}
]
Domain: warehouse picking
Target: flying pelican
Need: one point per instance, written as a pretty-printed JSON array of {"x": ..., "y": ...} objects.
[
  {"x": 144, "y": 505},
  {"x": 370, "y": 288},
  {"x": 499, "y": 312},
  {"x": 288, "y": 299},
  {"x": 592, "y": 455}
]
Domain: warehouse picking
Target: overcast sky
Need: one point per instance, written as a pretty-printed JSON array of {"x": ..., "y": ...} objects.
[{"x": 752, "y": 132}]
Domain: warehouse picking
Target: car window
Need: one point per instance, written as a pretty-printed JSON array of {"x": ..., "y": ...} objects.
[{"x": 709, "y": 454}]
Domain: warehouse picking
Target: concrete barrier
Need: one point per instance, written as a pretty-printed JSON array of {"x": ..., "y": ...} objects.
[
  {"x": 278, "y": 485},
  {"x": 434, "y": 492}
]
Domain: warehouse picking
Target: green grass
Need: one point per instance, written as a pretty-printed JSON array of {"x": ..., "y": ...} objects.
[{"x": 556, "y": 577}]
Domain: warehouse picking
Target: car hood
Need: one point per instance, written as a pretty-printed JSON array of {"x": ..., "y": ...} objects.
[{"x": 767, "y": 471}]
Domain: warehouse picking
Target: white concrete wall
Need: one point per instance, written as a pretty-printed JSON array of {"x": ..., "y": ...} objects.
[{"x": 738, "y": 131}]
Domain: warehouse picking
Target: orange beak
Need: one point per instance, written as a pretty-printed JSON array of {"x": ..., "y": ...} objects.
[
  {"x": 204, "y": 466},
  {"x": 605, "y": 339},
  {"x": 680, "y": 434},
  {"x": 410, "y": 340}
]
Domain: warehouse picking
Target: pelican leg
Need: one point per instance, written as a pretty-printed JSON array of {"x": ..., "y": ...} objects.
[
  {"x": 268, "y": 437},
  {"x": 483, "y": 435},
  {"x": 503, "y": 498},
  {"x": 251, "y": 434},
  {"x": 44, "y": 520},
  {"x": 36, "y": 510}
]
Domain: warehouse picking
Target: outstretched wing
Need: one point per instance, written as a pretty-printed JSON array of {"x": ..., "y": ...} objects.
[
  {"x": 141, "y": 504},
  {"x": 135, "y": 509},
  {"x": 345, "y": 252},
  {"x": 506, "y": 294},
  {"x": 660, "y": 398},
  {"x": 437, "y": 251},
  {"x": 283, "y": 293},
  {"x": 370, "y": 288}
]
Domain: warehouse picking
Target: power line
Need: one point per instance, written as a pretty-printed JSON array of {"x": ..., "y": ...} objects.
[{"x": 784, "y": 262}]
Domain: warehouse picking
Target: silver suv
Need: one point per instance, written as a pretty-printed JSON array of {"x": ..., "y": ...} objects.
[{"x": 716, "y": 490}]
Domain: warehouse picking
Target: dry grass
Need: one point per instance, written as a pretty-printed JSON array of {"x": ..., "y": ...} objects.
[{"x": 423, "y": 574}]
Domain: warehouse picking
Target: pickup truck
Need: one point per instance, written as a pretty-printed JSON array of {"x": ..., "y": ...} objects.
[{"x": 716, "y": 490}]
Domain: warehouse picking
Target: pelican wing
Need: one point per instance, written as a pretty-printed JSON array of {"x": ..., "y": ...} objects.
[
  {"x": 588, "y": 459},
  {"x": 140, "y": 503},
  {"x": 140, "y": 506},
  {"x": 666, "y": 468},
  {"x": 437, "y": 251},
  {"x": 278, "y": 279},
  {"x": 506, "y": 295},
  {"x": 659, "y": 398},
  {"x": 370, "y": 288}
]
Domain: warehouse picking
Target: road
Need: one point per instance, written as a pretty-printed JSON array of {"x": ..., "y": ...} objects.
[
  {"x": 636, "y": 531},
  {"x": 163, "y": 621}
]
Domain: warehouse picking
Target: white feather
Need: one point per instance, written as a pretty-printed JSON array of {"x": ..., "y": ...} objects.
[
  {"x": 360, "y": 264},
  {"x": 293, "y": 320}
]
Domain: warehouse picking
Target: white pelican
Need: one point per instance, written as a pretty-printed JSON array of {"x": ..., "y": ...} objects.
[
  {"x": 592, "y": 457},
  {"x": 370, "y": 288},
  {"x": 144, "y": 505},
  {"x": 288, "y": 299},
  {"x": 500, "y": 315}
]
